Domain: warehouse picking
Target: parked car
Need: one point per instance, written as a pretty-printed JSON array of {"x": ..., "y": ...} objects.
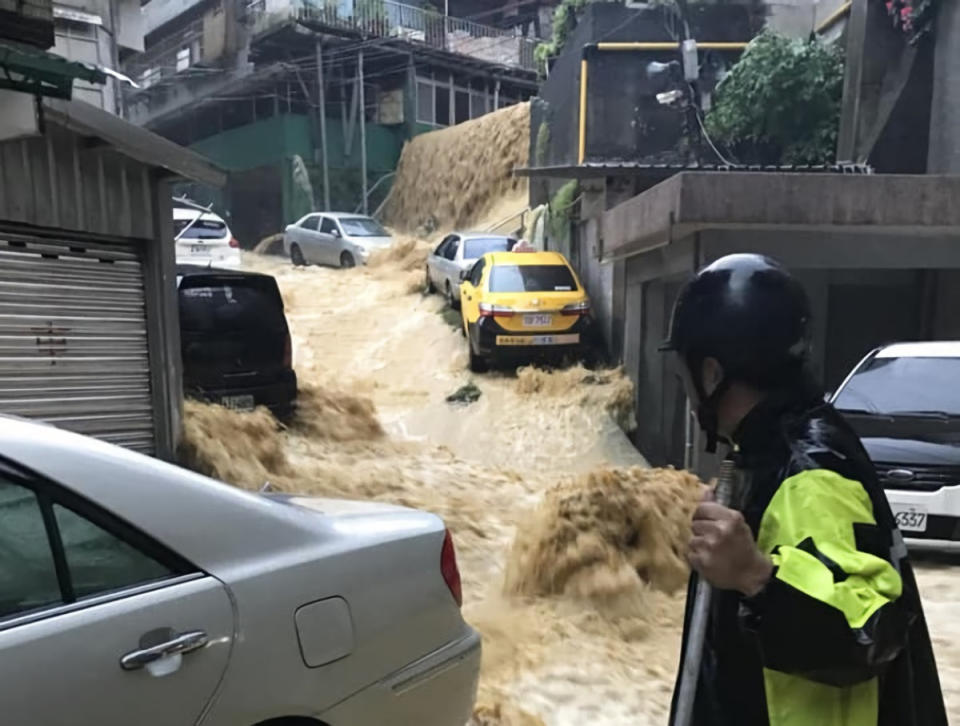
[
  {"x": 904, "y": 402},
  {"x": 234, "y": 340},
  {"x": 135, "y": 592},
  {"x": 203, "y": 238},
  {"x": 335, "y": 238},
  {"x": 518, "y": 306},
  {"x": 456, "y": 254}
]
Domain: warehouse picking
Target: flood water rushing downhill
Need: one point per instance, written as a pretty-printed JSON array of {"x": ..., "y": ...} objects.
[{"x": 571, "y": 550}]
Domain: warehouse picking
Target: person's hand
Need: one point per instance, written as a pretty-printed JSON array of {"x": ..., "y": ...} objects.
[{"x": 723, "y": 551}]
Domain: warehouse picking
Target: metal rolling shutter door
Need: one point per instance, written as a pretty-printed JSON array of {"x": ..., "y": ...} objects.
[{"x": 73, "y": 338}]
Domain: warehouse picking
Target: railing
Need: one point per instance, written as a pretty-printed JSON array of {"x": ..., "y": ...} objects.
[{"x": 389, "y": 19}]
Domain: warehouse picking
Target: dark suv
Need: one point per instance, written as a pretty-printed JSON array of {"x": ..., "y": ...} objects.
[{"x": 234, "y": 340}]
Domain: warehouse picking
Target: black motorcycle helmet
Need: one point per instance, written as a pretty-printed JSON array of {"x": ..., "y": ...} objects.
[{"x": 752, "y": 316}]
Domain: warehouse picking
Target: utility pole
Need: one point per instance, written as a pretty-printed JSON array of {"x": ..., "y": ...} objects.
[
  {"x": 322, "y": 112},
  {"x": 363, "y": 131}
]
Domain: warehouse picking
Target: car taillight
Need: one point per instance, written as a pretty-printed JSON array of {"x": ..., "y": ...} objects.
[
  {"x": 495, "y": 311},
  {"x": 580, "y": 308},
  {"x": 449, "y": 570},
  {"x": 287, "y": 352},
  {"x": 235, "y": 243}
]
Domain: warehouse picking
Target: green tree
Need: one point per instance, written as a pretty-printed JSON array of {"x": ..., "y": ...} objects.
[{"x": 780, "y": 104}]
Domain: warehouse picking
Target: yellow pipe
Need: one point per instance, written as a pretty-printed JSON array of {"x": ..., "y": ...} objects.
[
  {"x": 834, "y": 17},
  {"x": 671, "y": 45},
  {"x": 583, "y": 110}
]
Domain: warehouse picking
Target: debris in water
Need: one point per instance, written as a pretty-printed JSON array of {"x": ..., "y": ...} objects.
[
  {"x": 607, "y": 535},
  {"x": 465, "y": 395},
  {"x": 502, "y": 714}
]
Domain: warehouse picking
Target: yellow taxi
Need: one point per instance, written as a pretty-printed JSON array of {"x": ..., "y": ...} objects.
[{"x": 520, "y": 306}]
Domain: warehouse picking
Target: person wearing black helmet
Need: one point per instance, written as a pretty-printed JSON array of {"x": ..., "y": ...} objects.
[{"x": 816, "y": 619}]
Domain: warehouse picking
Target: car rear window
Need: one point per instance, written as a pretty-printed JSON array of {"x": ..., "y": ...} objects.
[
  {"x": 232, "y": 305},
  {"x": 531, "y": 278},
  {"x": 201, "y": 229},
  {"x": 475, "y": 248}
]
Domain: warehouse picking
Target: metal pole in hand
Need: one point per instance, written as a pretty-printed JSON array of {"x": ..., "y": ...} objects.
[{"x": 690, "y": 674}]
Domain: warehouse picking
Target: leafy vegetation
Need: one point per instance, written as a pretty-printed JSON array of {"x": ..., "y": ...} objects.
[
  {"x": 564, "y": 22},
  {"x": 560, "y": 213},
  {"x": 780, "y": 104},
  {"x": 543, "y": 143}
]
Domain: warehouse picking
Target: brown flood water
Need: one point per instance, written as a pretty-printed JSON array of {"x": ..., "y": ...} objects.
[{"x": 569, "y": 547}]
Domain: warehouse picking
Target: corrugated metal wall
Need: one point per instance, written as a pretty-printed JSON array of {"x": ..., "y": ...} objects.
[
  {"x": 73, "y": 338},
  {"x": 64, "y": 181}
]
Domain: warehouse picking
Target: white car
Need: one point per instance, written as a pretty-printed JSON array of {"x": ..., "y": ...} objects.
[
  {"x": 203, "y": 238},
  {"x": 334, "y": 238},
  {"x": 458, "y": 253},
  {"x": 904, "y": 402},
  {"x": 134, "y": 592}
]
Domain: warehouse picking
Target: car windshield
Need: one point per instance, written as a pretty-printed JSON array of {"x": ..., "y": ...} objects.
[
  {"x": 531, "y": 278},
  {"x": 905, "y": 386},
  {"x": 201, "y": 229},
  {"x": 476, "y": 248},
  {"x": 362, "y": 227},
  {"x": 249, "y": 306}
]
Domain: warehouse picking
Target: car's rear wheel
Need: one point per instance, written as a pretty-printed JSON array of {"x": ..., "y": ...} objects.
[
  {"x": 452, "y": 300},
  {"x": 478, "y": 364},
  {"x": 431, "y": 288},
  {"x": 296, "y": 256},
  {"x": 347, "y": 261}
]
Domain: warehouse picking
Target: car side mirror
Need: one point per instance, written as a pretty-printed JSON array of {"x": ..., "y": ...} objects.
[
  {"x": 827, "y": 396},
  {"x": 336, "y": 233}
]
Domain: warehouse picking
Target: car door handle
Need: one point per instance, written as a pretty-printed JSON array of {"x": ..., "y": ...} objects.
[{"x": 183, "y": 643}]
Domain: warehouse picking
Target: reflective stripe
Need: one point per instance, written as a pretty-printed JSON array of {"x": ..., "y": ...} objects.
[
  {"x": 808, "y": 530},
  {"x": 822, "y": 505},
  {"x": 795, "y": 701}
]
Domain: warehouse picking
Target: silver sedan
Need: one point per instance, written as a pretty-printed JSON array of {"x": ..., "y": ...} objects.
[
  {"x": 334, "y": 238},
  {"x": 134, "y": 592},
  {"x": 458, "y": 253}
]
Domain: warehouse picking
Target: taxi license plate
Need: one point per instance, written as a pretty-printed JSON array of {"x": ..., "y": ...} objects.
[
  {"x": 519, "y": 340},
  {"x": 537, "y": 321},
  {"x": 910, "y": 518},
  {"x": 237, "y": 403}
]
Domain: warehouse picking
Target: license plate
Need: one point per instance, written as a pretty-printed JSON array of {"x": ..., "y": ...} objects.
[
  {"x": 198, "y": 250},
  {"x": 537, "y": 321},
  {"x": 237, "y": 403},
  {"x": 519, "y": 340},
  {"x": 911, "y": 518}
]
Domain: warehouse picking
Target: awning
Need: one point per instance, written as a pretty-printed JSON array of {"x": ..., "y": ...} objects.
[{"x": 34, "y": 71}]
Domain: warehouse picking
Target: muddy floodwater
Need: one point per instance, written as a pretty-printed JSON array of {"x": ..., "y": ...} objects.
[{"x": 569, "y": 547}]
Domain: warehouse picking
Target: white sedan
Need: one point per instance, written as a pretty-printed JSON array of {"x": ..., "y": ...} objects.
[
  {"x": 134, "y": 592},
  {"x": 334, "y": 238}
]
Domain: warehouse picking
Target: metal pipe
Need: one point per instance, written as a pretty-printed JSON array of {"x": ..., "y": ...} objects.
[
  {"x": 583, "y": 112},
  {"x": 672, "y": 45},
  {"x": 322, "y": 110},
  {"x": 831, "y": 19},
  {"x": 693, "y": 657},
  {"x": 363, "y": 131}
]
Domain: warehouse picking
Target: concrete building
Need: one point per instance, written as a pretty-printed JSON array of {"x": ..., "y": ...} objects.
[
  {"x": 88, "y": 301},
  {"x": 333, "y": 88},
  {"x": 879, "y": 254}
]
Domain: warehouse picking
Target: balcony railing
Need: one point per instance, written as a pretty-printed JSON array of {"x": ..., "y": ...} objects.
[{"x": 389, "y": 19}]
